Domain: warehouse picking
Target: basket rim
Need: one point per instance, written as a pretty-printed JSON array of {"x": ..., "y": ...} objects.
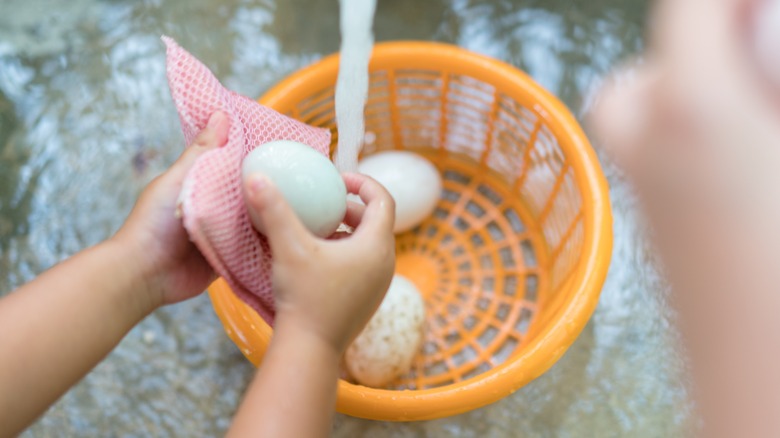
[{"x": 552, "y": 340}]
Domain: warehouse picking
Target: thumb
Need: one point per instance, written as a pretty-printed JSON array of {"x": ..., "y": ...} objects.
[
  {"x": 272, "y": 215},
  {"x": 214, "y": 135}
]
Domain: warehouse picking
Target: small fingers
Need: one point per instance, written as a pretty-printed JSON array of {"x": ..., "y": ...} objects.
[
  {"x": 379, "y": 213},
  {"x": 354, "y": 214},
  {"x": 272, "y": 215},
  {"x": 214, "y": 135}
]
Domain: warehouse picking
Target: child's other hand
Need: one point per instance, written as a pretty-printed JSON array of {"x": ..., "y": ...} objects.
[
  {"x": 696, "y": 126},
  {"x": 175, "y": 269},
  {"x": 329, "y": 288}
]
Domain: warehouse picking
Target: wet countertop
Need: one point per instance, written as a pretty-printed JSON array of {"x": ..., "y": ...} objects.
[{"x": 86, "y": 121}]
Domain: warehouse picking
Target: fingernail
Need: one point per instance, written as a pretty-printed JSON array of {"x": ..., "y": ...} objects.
[{"x": 215, "y": 120}]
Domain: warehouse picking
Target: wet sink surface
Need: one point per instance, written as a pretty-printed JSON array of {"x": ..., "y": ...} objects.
[{"x": 86, "y": 121}]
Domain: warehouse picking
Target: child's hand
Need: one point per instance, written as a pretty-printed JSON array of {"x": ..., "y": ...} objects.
[
  {"x": 326, "y": 291},
  {"x": 328, "y": 287},
  {"x": 175, "y": 269},
  {"x": 696, "y": 126}
]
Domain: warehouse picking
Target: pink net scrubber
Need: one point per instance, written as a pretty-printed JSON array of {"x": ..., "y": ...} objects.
[{"x": 212, "y": 202}]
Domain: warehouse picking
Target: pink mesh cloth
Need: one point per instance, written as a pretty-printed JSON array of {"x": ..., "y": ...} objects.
[{"x": 212, "y": 203}]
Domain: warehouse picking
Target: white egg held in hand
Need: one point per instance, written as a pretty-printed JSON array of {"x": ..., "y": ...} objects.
[
  {"x": 413, "y": 181},
  {"x": 308, "y": 181},
  {"x": 386, "y": 347}
]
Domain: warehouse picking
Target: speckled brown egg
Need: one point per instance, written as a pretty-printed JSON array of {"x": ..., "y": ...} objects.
[{"x": 386, "y": 347}]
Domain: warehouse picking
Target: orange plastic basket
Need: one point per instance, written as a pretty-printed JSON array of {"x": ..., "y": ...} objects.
[{"x": 511, "y": 263}]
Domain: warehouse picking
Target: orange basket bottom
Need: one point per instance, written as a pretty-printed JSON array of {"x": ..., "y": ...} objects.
[{"x": 476, "y": 261}]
